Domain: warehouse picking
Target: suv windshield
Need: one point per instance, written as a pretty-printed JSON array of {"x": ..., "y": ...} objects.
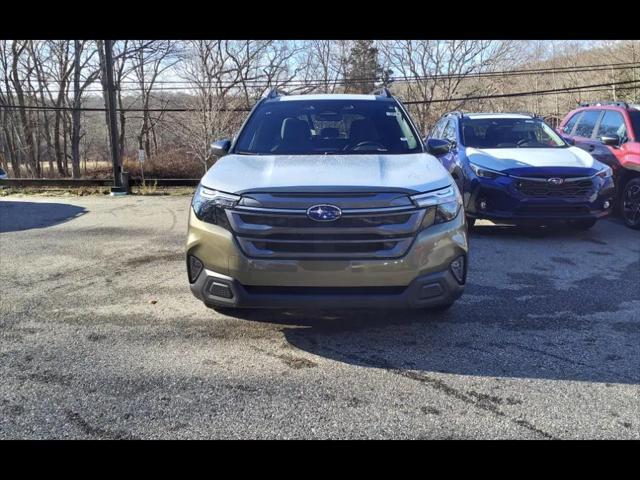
[
  {"x": 509, "y": 133},
  {"x": 297, "y": 127}
]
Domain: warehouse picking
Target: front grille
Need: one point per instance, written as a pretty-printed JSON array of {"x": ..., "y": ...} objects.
[
  {"x": 385, "y": 232},
  {"x": 329, "y": 246},
  {"x": 344, "y": 222},
  {"x": 543, "y": 189}
]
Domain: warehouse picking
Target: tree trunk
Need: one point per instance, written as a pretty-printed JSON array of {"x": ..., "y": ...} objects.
[
  {"x": 75, "y": 114},
  {"x": 11, "y": 151},
  {"x": 57, "y": 145},
  {"x": 123, "y": 118},
  {"x": 29, "y": 139},
  {"x": 65, "y": 136},
  {"x": 105, "y": 87}
]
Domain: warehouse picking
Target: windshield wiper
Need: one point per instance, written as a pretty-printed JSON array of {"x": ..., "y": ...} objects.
[{"x": 371, "y": 150}]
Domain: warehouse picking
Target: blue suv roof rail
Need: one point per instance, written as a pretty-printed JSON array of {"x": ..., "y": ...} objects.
[
  {"x": 382, "y": 92},
  {"x": 273, "y": 93},
  {"x": 597, "y": 104},
  {"x": 528, "y": 114},
  {"x": 457, "y": 113}
]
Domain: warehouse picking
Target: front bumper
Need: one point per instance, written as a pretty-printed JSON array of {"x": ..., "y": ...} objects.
[
  {"x": 420, "y": 278},
  {"x": 430, "y": 290},
  {"x": 502, "y": 201}
]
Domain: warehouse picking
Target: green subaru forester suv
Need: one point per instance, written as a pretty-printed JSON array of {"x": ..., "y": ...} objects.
[{"x": 326, "y": 201}]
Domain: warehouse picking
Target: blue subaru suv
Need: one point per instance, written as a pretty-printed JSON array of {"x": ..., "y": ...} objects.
[{"x": 514, "y": 168}]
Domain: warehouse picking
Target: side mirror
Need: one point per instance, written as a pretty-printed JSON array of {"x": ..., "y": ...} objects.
[
  {"x": 435, "y": 146},
  {"x": 569, "y": 140},
  {"x": 221, "y": 147},
  {"x": 611, "y": 140}
]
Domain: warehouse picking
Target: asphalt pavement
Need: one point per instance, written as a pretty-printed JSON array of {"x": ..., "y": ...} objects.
[{"x": 100, "y": 337}]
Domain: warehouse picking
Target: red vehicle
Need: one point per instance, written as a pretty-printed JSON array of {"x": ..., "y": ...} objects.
[{"x": 610, "y": 132}]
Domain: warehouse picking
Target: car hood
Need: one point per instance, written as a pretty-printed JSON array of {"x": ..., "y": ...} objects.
[
  {"x": 538, "y": 161},
  {"x": 411, "y": 173}
]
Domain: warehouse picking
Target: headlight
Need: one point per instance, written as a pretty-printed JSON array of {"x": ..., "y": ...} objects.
[
  {"x": 209, "y": 205},
  {"x": 442, "y": 205},
  {"x": 606, "y": 172},
  {"x": 485, "y": 172}
]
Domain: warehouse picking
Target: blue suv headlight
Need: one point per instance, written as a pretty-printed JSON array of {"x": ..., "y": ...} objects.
[
  {"x": 606, "y": 172},
  {"x": 442, "y": 205},
  {"x": 485, "y": 172}
]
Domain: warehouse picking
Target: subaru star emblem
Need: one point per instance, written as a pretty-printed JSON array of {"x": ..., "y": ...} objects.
[
  {"x": 555, "y": 181},
  {"x": 324, "y": 213}
]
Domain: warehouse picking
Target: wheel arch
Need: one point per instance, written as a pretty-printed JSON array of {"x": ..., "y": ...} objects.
[{"x": 627, "y": 174}]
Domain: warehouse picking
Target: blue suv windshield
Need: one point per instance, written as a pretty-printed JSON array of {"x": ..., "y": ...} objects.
[
  {"x": 509, "y": 133},
  {"x": 298, "y": 127}
]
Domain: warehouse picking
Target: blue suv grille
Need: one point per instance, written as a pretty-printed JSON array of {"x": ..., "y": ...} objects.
[{"x": 542, "y": 188}]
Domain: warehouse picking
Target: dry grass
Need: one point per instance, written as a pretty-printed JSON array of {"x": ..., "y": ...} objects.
[
  {"x": 164, "y": 165},
  {"x": 55, "y": 191}
]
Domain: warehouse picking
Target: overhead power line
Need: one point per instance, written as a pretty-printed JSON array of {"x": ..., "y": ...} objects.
[
  {"x": 523, "y": 94},
  {"x": 187, "y": 85},
  {"x": 635, "y": 83},
  {"x": 100, "y": 109},
  {"x": 320, "y": 83}
]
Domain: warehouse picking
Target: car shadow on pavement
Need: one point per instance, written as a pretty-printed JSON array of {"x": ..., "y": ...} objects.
[
  {"x": 17, "y": 216},
  {"x": 538, "y": 335},
  {"x": 557, "y": 230}
]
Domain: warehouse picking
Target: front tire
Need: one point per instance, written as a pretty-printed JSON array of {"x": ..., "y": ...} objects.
[
  {"x": 630, "y": 204},
  {"x": 582, "y": 224}
]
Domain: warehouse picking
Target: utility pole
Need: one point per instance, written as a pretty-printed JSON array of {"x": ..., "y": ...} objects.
[{"x": 118, "y": 188}]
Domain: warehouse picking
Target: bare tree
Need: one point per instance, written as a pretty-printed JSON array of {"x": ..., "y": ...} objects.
[
  {"x": 324, "y": 64},
  {"x": 151, "y": 60},
  {"x": 438, "y": 68},
  {"x": 45, "y": 84},
  {"x": 215, "y": 82},
  {"x": 11, "y": 153},
  {"x": 61, "y": 70},
  {"x": 27, "y": 137},
  {"x": 84, "y": 62}
]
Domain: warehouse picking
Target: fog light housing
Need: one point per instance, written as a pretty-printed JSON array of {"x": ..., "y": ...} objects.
[
  {"x": 194, "y": 267},
  {"x": 458, "y": 268},
  {"x": 606, "y": 204},
  {"x": 483, "y": 205},
  {"x": 220, "y": 290}
]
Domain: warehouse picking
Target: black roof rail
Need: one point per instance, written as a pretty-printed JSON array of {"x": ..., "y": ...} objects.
[
  {"x": 273, "y": 93},
  {"x": 606, "y": 102},
  {"x": 382, "y": 92}
]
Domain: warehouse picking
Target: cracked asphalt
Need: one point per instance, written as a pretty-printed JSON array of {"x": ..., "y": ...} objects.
[{"x": 101, "y": 338}]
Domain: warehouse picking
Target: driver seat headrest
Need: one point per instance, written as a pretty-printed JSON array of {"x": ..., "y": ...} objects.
[{"x": 295, "y": 131}]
